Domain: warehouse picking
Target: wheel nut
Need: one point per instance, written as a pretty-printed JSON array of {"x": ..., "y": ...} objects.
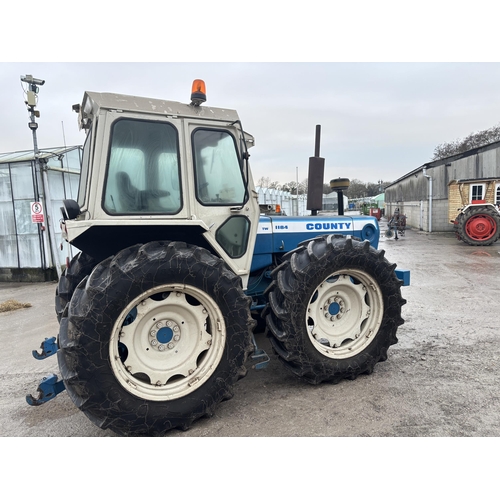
[
  {"x": 177, "y": 337},
  {"x": 154, "y": 342},
  {"x": 161, "y": 347},
  {"x": 170, "y": 346}
]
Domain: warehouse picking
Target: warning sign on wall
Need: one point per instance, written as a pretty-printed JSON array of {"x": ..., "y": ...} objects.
[{"x": 37, "y": 212}]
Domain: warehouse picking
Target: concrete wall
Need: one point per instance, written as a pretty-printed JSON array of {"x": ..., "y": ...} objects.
[{"x": 417, "y": 214}]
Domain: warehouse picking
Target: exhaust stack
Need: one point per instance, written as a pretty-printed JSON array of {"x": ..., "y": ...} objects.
[{"x": 315, "y": 178}]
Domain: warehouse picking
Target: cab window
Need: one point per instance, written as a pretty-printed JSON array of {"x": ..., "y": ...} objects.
[
  {"x": 143, "y": 174},
  {"x": 84, "y": 171},
  {"x": 219, "y": 180}
]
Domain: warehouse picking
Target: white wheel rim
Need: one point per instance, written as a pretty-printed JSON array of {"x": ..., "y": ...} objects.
[
  {"x": 344, "y": 314},
  {"x": 173, "y": 344}
]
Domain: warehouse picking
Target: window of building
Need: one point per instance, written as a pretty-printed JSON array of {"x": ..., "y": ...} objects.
[{"x": 477, "y": 192}]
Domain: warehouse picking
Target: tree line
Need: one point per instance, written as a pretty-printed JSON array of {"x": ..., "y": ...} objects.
[
  {"x": 357, "y": 188},
  {"x": 473, "y": 140}
]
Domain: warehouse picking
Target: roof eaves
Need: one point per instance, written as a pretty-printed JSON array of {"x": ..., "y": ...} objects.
[{"x": 449, "y": 159}]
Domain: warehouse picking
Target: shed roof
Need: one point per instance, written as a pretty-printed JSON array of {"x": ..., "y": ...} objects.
[
  {"x": 449, "y": 159},
  {"x": 29, "y": 155}
]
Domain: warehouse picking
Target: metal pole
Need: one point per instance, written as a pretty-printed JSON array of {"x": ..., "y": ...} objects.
[
  {"x": 296, "y": 191},
  {"x": 50, "y": 221},
  {"x": 429, "y": 179},
  {"x": 33, "y": 86}
]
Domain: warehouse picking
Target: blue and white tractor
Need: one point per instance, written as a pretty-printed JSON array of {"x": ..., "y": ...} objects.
[{"x": 176, "y": 266}]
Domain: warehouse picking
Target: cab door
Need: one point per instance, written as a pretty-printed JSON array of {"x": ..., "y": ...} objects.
[{"x": 221, "y": 193}]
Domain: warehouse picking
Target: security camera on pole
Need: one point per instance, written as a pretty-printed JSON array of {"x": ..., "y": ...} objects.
[{"x": 31, "y": 101}]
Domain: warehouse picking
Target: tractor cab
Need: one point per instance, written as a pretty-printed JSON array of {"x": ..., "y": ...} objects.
[{"x": 155, "y": 169}]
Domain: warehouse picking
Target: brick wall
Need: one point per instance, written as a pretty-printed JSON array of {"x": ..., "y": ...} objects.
[{"x": 458, "y": 194}]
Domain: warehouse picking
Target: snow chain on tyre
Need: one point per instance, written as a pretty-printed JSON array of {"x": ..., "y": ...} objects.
[
  {"x": 334, "y": 307},
  {"x": 155, "y": 338}
]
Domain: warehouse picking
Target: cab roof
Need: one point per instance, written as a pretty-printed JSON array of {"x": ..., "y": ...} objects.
[{"x": 93, "y": 101}]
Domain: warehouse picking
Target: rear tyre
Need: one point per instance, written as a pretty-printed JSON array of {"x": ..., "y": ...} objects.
[
  {"x": 80, "y": 266},
  {"x": 155, "y": 338},
  {"x": 479, "y": 226},
  {"x": 334, "y": 309}
]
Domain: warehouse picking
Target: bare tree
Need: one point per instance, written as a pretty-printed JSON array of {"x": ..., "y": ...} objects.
[
  {"x": 473, "y": 140},
  {"x": 292, "y": 187},
  {"x": 264, "y": 182},
  {"x": 356, "y": 189}
]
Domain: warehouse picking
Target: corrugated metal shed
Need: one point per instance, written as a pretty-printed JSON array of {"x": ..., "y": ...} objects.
[{"x": 422, "y": 194}]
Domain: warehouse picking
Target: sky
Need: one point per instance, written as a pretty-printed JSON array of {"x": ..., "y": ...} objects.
[{"x": 384, "y": 94}]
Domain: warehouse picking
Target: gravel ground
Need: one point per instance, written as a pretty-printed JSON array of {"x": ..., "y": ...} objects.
[{"x": 440, "y": 380}]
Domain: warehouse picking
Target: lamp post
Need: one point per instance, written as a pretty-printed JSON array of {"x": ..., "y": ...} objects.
[{"x": 296, "y": 191}]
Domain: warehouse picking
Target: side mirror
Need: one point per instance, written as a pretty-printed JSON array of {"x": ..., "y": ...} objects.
[{"x": 70, "y": 209}]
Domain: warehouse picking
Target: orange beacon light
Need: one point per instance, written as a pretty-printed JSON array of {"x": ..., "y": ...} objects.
[{"x": 198, "y": 93}]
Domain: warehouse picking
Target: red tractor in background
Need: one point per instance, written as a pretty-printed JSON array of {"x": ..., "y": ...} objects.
[{"x": 477, "y": 202}]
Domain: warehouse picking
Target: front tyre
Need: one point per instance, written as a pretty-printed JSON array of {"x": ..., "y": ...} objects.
[
  {"x": 155, "y": 338},
  {"x": 334, "y": 309}
]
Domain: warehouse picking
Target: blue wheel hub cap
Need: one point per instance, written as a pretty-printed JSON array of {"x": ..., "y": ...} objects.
[
  {"x": 333, "y": 309},
  {"x": 165, "y": 335}
]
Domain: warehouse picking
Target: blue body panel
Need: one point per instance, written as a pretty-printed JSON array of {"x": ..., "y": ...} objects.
[{"x": 282, "y": 234}]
